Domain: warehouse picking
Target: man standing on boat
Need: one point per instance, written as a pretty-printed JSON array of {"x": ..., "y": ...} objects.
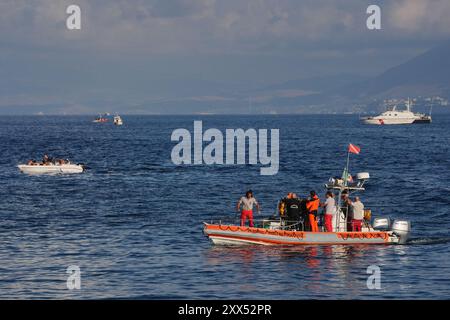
[
  {"x": 330, "y": 211},
  {"x": 247, "y": 203},
  {"x": 357, "y": 214},
  {"x": 293, "y": 208},
  {"x": 312, "y": 206},
  {"x": 346, "y": 209}
]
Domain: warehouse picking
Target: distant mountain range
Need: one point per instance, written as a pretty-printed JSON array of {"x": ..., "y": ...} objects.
[{"x": 425, "y": 75}]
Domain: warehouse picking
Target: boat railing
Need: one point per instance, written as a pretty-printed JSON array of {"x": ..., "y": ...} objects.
[{"x": 265, "y": 223}]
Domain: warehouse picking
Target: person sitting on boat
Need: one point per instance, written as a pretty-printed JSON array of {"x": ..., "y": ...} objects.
[
  {"x": 247, "y": 203},
  {"x": 312, "y": 205},
  {"x": 357, "y": 214},
  {"x": 282, "y": 207},
  {"x": 329, "y": 207},
  {"x": 46, "y": 160},
  {"x": 282, "y": 204}
]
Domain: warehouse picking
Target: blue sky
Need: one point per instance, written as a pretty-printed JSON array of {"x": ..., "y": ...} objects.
[{"x": 138, "y": 52}]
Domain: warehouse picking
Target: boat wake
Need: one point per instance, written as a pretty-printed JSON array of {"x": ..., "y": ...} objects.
[{"x": 428, "y": 241}]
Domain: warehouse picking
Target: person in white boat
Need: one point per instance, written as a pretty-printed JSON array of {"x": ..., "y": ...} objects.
[
  {"x": 357, "y": 214},
  {"x": 47, "y": 160},
  {"x": 247, "y": 203},
  {"x": 329, "y": 207},
  {"x": 32, "y": 162}
]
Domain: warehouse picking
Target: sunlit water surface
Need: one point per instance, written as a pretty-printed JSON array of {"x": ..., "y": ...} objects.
[{"x": 133, "y": 221}]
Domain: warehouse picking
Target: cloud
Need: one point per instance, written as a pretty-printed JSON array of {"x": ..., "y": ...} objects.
[
  {"x": 125, "y": 28},
  {"x": 214, "y": 26},
  {"x": 186, "y": 27},
  {"x": 422, "y": 17}
]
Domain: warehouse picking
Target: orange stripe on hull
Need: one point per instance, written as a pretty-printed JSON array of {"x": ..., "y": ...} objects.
[
  {"x": 237, "y": 233},
  {"x": 283, "y": 233}
]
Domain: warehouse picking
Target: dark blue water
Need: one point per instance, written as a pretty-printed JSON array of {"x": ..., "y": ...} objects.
[{"x": 133, "y": 221}]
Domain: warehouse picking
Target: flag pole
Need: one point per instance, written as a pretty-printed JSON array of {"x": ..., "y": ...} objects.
[
  {"x": 345, "y": 185},
  {"x": 346, "y": 168}
]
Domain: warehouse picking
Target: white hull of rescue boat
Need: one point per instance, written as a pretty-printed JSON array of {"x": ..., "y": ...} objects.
[
  {"x": 51, "y": 169},
  {"x": 234, "y": 235}
]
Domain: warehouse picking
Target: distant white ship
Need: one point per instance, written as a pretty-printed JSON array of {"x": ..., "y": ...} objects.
[
  {"x": 395, "y": 116},
  {"x": 118, "y": 120}
]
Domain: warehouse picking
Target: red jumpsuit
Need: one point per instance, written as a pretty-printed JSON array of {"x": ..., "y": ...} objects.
[{"x": 313, "y": 206}]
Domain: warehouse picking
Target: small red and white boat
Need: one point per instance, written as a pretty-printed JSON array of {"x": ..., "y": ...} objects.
[{"x": 101, "y": 118}]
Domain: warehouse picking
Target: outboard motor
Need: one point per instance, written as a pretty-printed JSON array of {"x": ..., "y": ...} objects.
[
  {"x": 382, "y": 224},
  {"x": 402, "y": 229},
  {"x": 363, "y": 176}
]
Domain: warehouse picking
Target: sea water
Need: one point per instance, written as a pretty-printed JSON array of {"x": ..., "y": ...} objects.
[{"x": 132, "y": 222}]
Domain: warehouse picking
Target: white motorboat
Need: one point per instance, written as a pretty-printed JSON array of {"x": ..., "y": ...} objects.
[
  {"x": 118, "y": 120},
  {"x": 395, "y": 116},
  {"x": 51, "y": 168}
]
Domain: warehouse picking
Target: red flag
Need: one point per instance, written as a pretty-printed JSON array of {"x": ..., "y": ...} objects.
[{"x": 354, "y": 149}]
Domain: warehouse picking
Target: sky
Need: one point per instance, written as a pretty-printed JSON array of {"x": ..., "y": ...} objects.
[{"x": 133, "y": 54}]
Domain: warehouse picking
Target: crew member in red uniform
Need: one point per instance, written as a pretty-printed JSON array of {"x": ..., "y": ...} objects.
[
  {"x": 247, "y": 203},
  {"x": 312, "y": 206}
]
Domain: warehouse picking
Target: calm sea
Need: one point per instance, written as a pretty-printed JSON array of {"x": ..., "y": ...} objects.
[{"x": 133, "y": 221}]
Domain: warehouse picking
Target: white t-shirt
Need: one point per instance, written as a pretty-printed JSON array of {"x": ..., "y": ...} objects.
[
  {"x": 247, "y": 204},
  {"x": 358, "y": 210},
  {"x": 330, "y": 206}
]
